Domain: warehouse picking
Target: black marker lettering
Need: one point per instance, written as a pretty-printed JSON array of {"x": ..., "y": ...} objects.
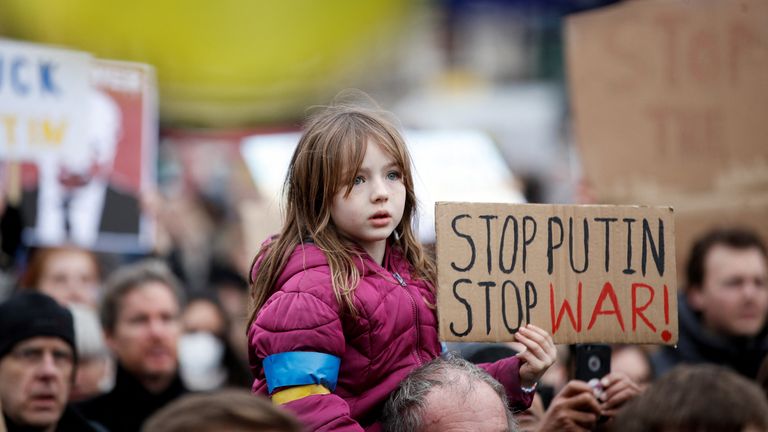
[
  {"x": 550, "y": 245},
  {"x": 468, "y": 238},
  {"x": 463, "y": 301},
  {"x": 502, "y": 245}
]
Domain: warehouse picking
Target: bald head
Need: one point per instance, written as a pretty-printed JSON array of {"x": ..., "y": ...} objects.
[{"x": 448, "y": 394}]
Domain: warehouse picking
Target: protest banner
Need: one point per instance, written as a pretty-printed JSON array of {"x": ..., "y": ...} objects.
[
  {"x": 583, "y": 273},
  {"x": 42, "y": 90},
  {"x": 669, "y": 103},
  {"x": 91, "y": 197}
]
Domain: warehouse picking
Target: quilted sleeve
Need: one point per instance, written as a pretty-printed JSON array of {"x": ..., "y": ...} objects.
[
  {"x": 507, "y": 372},
  {"x": 300, "y": 321}
]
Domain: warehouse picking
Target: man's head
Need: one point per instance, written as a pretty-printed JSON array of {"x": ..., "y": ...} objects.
[
  {"x": 224, "y": 410},
  {"x": 37, "y": 359},
  {"x": 701, "y": 398},
  {"x": 140, "y": 316},
  {"x": 448, "y": 394},
  {"x": 728, "y": 282},
  {"x": 96, "y": 157}
]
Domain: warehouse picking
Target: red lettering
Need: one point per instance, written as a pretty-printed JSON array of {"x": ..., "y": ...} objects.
[
  {"x": 744, "y": 45},
  {"x": 565, "y": 308},
  {"x": 638, "y": 311},
  {"x": 670, "y": 26},
  {"x": 610, "y": 293},
  {"x": 704, "y": 57},
  {"x": 666, "y": 305}
]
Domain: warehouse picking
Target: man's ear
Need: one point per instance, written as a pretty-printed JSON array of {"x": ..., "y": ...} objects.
[{"x": 695, "y": 297}]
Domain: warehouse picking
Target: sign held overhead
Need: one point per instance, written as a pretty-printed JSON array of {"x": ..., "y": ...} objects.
[{"x": 583, "y": 273}]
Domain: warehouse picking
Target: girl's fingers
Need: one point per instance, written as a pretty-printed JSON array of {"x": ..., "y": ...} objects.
[
  {"x": 539, "y": 342},
  {"x": 536, "y": 329},
  {"x": 543, "y": 338},
  {"x": 531, "y": 343}
]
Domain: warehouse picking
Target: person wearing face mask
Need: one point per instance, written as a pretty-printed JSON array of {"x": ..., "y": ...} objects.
[
  {"x": 206, "y": 359},
  {"x": 95, "y": 366}
]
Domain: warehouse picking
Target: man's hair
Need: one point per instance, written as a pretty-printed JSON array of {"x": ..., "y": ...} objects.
[
  {"x": 405, "y": 409},
  {"x": 696, "y": 398},
  {"x": 231, "y": 409},
  {"x": 130, "y": 277},
  {"x": 736, "y": 238}
]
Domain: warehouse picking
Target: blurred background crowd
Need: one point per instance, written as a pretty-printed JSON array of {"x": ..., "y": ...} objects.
[{"x": 188, "y": 112}]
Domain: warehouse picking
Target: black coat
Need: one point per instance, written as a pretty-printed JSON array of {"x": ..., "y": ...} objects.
[
  {"x": 70, "y": 421},
  {"x": 697, "y": 345},
  {"x": 129, "y": 404}
]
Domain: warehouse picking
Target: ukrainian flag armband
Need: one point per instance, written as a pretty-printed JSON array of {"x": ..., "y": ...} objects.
[{"x": 302, "y": 373}]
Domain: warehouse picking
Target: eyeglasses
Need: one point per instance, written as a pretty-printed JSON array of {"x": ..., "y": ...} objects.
[{"x": 35, "y": 355}]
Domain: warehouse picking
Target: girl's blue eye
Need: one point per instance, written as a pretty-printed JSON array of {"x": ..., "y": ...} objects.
[
  {"x": 358, "y": 180},
  {"x": 393, "y": 175}
]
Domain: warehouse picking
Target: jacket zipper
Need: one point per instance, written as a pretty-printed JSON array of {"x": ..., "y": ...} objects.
[{"x": 402, "y": 283}]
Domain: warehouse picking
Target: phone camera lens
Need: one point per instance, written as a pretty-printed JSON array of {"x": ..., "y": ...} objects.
[{"x": 593, "y": 363}]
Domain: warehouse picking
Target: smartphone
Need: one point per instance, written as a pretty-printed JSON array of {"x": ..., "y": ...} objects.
[{"x": 592, "y": 361}]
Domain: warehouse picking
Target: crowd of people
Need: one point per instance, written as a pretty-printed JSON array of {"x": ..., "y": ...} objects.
[{"x": 341, "y": 330}]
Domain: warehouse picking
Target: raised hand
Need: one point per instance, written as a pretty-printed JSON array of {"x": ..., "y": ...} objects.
[
  {"x": 539, "y": 354},
  {"x": 618, "y": 389},
  {"x": 575, "y": 408}
]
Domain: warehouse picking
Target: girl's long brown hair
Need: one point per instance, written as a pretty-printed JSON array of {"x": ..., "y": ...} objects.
[{"x": 329, "y": 153}]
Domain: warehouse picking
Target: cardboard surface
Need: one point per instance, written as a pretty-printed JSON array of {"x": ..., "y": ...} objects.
[
  {"x": 697, "y": 215},
  {"x": 670, "y": 102},
  {"x": 583, "y": 273},
  {"x": 670, "y": 97}
]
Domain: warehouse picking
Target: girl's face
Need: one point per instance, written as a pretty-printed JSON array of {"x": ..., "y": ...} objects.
[
  {"x": 374, "y": 206},
  {"x": 70, "y": 276}
]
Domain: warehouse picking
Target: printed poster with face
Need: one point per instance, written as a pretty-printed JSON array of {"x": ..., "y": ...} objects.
[{"x": 90, "y": 197}]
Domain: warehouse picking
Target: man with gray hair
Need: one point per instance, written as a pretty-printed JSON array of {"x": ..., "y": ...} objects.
[
  {"x": 37, "y": 366},
  {"x": 448, "y": 394},
  {"x": 140, "y": 316}
]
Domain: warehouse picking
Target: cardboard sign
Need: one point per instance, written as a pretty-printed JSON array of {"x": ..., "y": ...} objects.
[
  {"x": 670, "y": 97},
  {"x": 583, "y": 273},
  {"x": 42, "y": 90},
  {"x": 669, "y": 107}
]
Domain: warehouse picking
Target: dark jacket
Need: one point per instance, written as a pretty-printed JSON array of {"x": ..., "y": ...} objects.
[
  {"x": 697, "y": 345},
  {"x": 395, "y": 332},
  {"x": 70, "y": 421},
  {"x": 129, "y": 404}
]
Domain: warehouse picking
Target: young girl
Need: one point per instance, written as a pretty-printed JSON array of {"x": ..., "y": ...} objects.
[{"x": 343, "y": 299}]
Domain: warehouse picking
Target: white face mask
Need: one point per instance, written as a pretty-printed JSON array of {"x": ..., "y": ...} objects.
[{"x": 200, "y": 356}]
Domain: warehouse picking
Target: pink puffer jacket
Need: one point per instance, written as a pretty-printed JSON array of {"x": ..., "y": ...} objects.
[{"x": 395, "y": 331}]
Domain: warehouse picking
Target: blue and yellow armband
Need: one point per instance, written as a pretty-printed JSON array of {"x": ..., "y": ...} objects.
[{"x": 302, "y": 373}]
